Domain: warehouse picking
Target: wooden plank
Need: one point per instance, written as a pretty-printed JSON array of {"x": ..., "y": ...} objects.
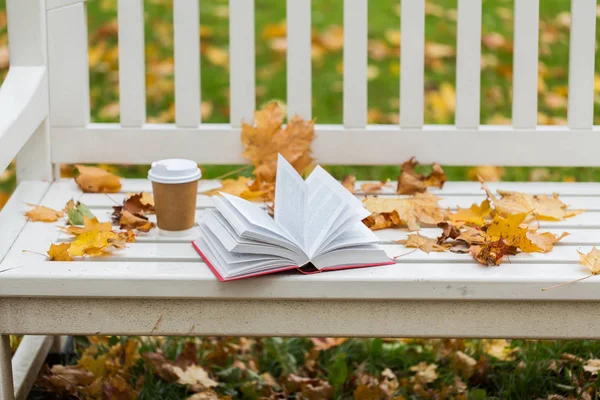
[
  {"x": 468, "y": 64},
  {"x": 132, "y": 67},
  {"x": 582, "y": 48},
  {"x": 12, "y": 219},
  {"x": 69, "y": 81},
  {"x": 412, "y": 63},
  {"x": 242, "y": 63},
  {"x": 299, "y": 83},
  {"x": 187, "y": 63},
  {"x": 355, "y": 63},
  {"x": 393, "y": 145},
  {"x": 321, "y": 318},
  {"x": 525, "y": 64},
  {"x": 7, "y": 391},
  {"x": 27, "y": 362}
]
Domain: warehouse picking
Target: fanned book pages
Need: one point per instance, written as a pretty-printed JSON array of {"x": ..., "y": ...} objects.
[{"x": 316, "y": 222}]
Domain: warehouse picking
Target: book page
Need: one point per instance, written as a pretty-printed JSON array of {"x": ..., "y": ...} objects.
[
  {"x": 291, "y": 199},
  {"x": 324, "y": 210}
]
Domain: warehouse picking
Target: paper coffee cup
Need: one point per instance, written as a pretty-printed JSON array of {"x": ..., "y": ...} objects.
[{"x": 175, "y": 186}]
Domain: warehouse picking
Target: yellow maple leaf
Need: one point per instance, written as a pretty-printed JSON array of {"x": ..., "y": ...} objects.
[
  {"x": 591, "y": 260},
  {"x": 91, "y": 243},
  {"x": 97, "y": 180},
  {"x": 424, "y": 243},
  {"x": 475, "y": 214},
  {"x": 59, "y": 252},
  {"x": 544, "y": 241},
  {"x": 509, "y": 229},
  {"x": 43, "y": 214},
  {"x": 267, "y": 138},
  {"x": 89, "y": 224}
]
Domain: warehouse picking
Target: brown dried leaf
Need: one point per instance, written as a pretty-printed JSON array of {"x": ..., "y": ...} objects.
[
  {"x": 491, "y": 252},
  {"x": 472, "y": 235},
  {"x": 43, "y": 214},
  {"x": 348, "y": 182},
  {"x": 422, "y": 208},
  {"x": 140, "y": 203},
  {"x": 449, "y": 231},
  {"x": 267, "y": 138},
  {"x": 544, "y": 241},
  {"x": 372, "y": 187},
  {"x": 97, "y": 180},
  {"x": 409, "y": 182},
  {"x": 129, "y": 221},
  {"x": 464, "y": 364},
  {"x": 424, "y": 243},
  {"x": 540, "y": 206},
  {"x": 591, "y": 260},
  {"x": 425, "y": 373},
  {"x": 59, "y": 252},
  {"x": 311, "y": 388}
]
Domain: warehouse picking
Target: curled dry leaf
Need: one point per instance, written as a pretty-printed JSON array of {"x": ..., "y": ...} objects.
[
  {"x": 311, "y": 388},
  {"x": 59, "y": 252},
  {"x": 348, "y": 182},
  {"x": 472, "y": 235},
  {"x": 129, "y": 221},
  {"x": 264, "y": 140},
  {"x": 373, "y": 186},
  {"x": 492, "y": 252},
  {"x": 544, "y": 241},
  {"x": 97, "y": 180},
  {"x": 76, "y": 212},
  {"x": 409, "y": 182},
  {"x": 43, "y": 214},
  {"x": 449, "y": 231},
  {"x": 422, "y": 208},
  {"x": 591, "y": 260},
  {"x": 464, "y": 364},
  {"x": 509, "y": 230},
  {"x": 140, "y": 203},
  {"x": 424, "y": 243},
  {"x": 540, "y": 206}
]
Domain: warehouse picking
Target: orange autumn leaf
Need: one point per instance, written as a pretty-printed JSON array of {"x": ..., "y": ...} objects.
[
  {"x": 424, "y": 243},
  {"x": 89, "y": 224},
  {"x": 43, "y": 214},
  {"x": 348, "y": 182},
  {"x": 139, "y": 203},
  {"x": 267, "y": 138},
  {"x": 97, "y": 180},
  {"x": 59, "y": 252},
  {"x": 474, "y": 215},
  {"x": 129, "y": 221},
  {"x": 326, "y": 343},
  {"x": 422, "y": 208},
  {"x": 409, "y": 182},
  {"x": 244, "y": 187}
]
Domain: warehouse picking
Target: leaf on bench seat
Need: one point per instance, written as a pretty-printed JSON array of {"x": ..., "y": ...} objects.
[
  {"x": 97, "y": 180},
  {"x": 43, "y": 214}
]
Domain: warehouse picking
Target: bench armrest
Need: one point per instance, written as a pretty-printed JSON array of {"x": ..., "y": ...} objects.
[{"x": 23, "y": 106}]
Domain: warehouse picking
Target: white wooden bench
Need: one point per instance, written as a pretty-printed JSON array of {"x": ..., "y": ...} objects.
[{"x": 159, "y": 286}]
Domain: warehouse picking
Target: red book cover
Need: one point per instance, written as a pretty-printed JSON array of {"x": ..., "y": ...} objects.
[{"x": 274, "y": 271}]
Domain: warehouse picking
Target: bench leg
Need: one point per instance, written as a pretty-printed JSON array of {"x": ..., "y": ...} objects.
[{"x": 7, "y": 391}]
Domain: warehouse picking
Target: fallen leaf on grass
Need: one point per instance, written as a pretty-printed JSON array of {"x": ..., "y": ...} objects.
[
  {"x": 97, "y": 180},
  {"x": 326, "y": 343},
  {"x": 500, "y": 349},
  {"x": 348, "y": 182},
  {"x": 206, "y": 395},
  {"x": 425, "y": 373},
  {"x": 464, "y": 364},
  {"x": 43, "y": 214},
  {"x": 59, "y": 252},
  {"x": 424, "y": 243},
  {"x": 422, "y": 208},
  {"x": 409, "y": 182},
  {"x": 311, "y": 388},
  {"x": 194, "y": 375},
  {"x": 592, "y": 366}
]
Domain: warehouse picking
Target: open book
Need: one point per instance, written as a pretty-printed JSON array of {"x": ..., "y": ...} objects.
[{"x": 317, "y": 221}]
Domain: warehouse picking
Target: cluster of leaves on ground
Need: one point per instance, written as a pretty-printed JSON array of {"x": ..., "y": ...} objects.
[{"x": 325, "y": 368}]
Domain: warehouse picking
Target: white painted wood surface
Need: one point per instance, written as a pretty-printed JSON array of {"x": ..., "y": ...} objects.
[
  {"x": 525, "y": 64},
  {"x": 468, "y": 63},
  {"x": 412, "y": 59},
  {"x": 170, "y": 268},
  {"x": 299, "y": 68},
  {"x": 242, "y": 78},
  {"x": 68, "y": 66},
  {"x": 355, "y": 64},
  {"x": 582, "y": 48},
  {"x": 187, "y": 62},
  {"x": 132, "y": 63},
  {"x": 27, "y": 362},
  {"x": 334, "y": 144}
]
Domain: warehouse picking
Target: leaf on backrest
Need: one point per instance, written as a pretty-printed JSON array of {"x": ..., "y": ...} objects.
[{"x": 97, "y": 180}]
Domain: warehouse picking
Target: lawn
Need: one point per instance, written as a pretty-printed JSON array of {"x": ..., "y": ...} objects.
[{"x": 364, "y": 368}]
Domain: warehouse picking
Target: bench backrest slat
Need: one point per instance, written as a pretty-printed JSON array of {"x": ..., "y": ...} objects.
[
  {"x": 412, "y": 57},
  {"x": 242, "y": 62},
  {"x": 525, "y": 63},
  {"x": 341, "y": 144},
  {"x": 187, "y": 63},
  {"x": 581, "y": 64},
  {"x": 299, "y": 68},
  {"x": 132, "y": 63}
]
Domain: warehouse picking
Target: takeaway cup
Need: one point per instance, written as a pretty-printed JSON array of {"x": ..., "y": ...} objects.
[{"x": 175, "y": 186}]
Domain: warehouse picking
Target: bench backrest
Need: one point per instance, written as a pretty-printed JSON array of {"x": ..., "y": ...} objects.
[{"x": 74, "y": 139}]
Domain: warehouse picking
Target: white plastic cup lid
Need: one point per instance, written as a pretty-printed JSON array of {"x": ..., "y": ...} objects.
[{"x": 174, "y": 170}]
